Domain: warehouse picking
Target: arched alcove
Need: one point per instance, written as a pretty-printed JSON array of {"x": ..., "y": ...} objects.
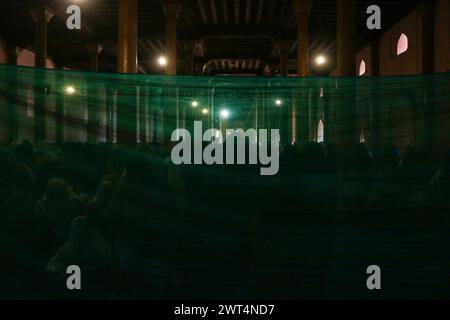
[
  {"x": 320, "y": 131},
  {"x": 362, "y": 68},
  {"x": 402, "y": 44}
]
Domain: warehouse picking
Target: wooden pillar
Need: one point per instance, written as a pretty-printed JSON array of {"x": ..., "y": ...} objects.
[
  {"x": 294, "y": 100},
  {"x": 375, "y": 58},
  {"x": 155, "y": 118},
  {"x": 109, "y": 115},
  {"x": 326, "y": 95},
  {"x": 143, "y": 114},
  {"x": 169, "y": 117},
  {"x": 127, "y": 63},
  {"x": 426, "y": 11},
  {"x": 181, "y": 109},
  {"x": 375, "y": 106},
  {"x": 302, "y": 113},
  {"x": 93, "y": 103},
  {"x": 346, "y": 38},
  {"x": 302, "y": 9},
  {"x": 284, "y": 57},
  {"x": 442, "y": 65},
  {"x": 60, "y": 108},
  {"x": 128, "y": 36},
  {"x": 442, "y": 36},
  {"x": 189, "y": 67},
  {"x": 41, "y": 16},
  {"x": 346, "y": 128},
  {"x": 94, "y": 51},
  {"x": 427, "y": 137},
  {"x": 13, "y": 53},
  {"x": 171, "y": 9}
]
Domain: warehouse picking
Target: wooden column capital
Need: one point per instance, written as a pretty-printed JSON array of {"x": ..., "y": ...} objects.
[{"x": 41, "y": 14}]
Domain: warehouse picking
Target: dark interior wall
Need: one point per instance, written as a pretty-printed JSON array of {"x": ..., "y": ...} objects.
[
  {"x": 25, "y": 57},
  {"x": 442, "y": 64},
  {"x": 429, "y": 50},
  {"x": 3, "y": 117},
  {"x": 400, "y": 127},
  {"x": 442, "y": 36},
  {"x": 3, "y": 52},
  {"x": 409, "y": 62},
  {"x": 25, "y": 114}
]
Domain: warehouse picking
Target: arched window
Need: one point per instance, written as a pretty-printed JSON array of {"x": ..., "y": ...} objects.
[
  {"x": 402, "y": 44},
  {"x": 320, "y": 135},
  {"x": 362, "y": 68},
  {"x": 362, "y": 138}
]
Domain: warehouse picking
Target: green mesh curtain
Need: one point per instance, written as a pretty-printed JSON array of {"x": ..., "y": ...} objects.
[
  {"x": 72, "y": 106},
  {"x": 223, "y": 232}
]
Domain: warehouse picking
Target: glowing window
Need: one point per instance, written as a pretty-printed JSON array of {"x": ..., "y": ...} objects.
[
  {"x": 362, "y": 138},
  {"x": 362, "y": 68},
  {"x": 402, "y": 44},
  {"x": 30, "y": 103},
  {"x": 320, "y": 131}
]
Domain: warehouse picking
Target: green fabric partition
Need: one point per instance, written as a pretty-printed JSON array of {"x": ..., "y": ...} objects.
[
  {"x": 222, "y": 232},
  {"x": 73, "y": 106}
]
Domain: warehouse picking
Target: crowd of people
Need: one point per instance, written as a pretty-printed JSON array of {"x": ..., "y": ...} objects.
[{"x": 140, "y": 227}]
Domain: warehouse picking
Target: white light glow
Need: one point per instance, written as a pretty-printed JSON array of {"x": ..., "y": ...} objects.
[
  {"x": 205, "y": 111},
  {"x": 278, "y": 102},
  {"x": 70, "y": 90},
  {"x": 194, "y": 104},
  {"x": 224, "y": 114},
  {"x": 162, "y": 61},
  {"x": 321, "y": 60}
]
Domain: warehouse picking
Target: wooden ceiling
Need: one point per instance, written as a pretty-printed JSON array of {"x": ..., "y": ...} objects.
[{"x": 228, "y": 30}]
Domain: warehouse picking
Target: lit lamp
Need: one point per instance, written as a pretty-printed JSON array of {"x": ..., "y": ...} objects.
[
  {"x": 205, "y": 111},
  {"x": 162, "y": 61},
  {"x": 70, "y": 90},
  {"x": 194, "y": 104},
  {"x": 278, "y": 102},
  {"x": 224, "y": 114},
  {"x": 321, "y": 60}
]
